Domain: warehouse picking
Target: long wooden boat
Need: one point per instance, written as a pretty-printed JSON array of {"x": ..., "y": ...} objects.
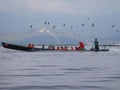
[
  {"x": 20, "y": 47},
  {"x": 33, "y": 49}
]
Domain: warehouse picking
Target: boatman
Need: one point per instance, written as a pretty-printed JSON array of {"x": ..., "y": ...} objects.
[
  {"x": 81, "y": 46},
  {"x": 96, "y": 43}
]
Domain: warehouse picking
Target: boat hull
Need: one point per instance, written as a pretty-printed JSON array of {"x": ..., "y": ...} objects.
[
  {"x": 29, "y": 49},
  {"x": 19, "y": 47}
]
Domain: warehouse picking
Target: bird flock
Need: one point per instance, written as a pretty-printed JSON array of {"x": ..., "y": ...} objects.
[{"x": 54, "y": 27}]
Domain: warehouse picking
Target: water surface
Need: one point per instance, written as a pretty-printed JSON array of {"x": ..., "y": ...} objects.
[{"x": 59, "y": 70}]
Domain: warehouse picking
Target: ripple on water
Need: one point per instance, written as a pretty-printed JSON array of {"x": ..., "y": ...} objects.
[
  {"x": 83, "y": 69},
  {"x": 55, "y": 87}
]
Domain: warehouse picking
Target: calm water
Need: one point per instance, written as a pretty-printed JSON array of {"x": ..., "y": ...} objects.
[{"x": 59, "y": 70}]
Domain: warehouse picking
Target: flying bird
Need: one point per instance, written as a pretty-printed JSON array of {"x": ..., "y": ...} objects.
[
  {"x": 30, "y": 26},
  {"x": 93, "y": 25},
  {"x": 48, "y": 23},
  {"x": 117, "y": 30},
  {"x": 88, "y": 18},
  {"x": 71, "y": 26},
  {"x": 82, "y": 25},
  {"x": 64, "y": 24},
  {"x": 45, "y": 22},
  {"x": 53, "y": 27},
  {"x": 113, "y": 25}
]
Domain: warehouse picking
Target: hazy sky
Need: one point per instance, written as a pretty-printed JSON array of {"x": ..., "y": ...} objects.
[{"x": 17, "y": 15}]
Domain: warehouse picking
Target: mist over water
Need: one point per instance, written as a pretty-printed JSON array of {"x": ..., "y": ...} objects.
[{"x": 59, "y": 70}]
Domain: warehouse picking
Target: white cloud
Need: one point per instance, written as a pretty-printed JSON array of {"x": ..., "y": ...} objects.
[
  {"x": 61, "y": 6},
  {"x": 74, "y": 6},
  {"x": 53, "y": 6}
]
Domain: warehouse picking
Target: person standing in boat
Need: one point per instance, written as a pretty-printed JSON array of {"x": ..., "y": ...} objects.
[{"x": 96, "y": 43}]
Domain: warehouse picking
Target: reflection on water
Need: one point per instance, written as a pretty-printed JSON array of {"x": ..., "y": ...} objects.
[{"x": 59, "y": 70}]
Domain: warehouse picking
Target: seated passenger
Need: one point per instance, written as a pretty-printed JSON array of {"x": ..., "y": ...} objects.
[{"x": 30, "y": 45}]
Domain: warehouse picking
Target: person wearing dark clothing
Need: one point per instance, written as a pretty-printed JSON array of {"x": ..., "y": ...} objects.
[{"x": 96, "y": 43}]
